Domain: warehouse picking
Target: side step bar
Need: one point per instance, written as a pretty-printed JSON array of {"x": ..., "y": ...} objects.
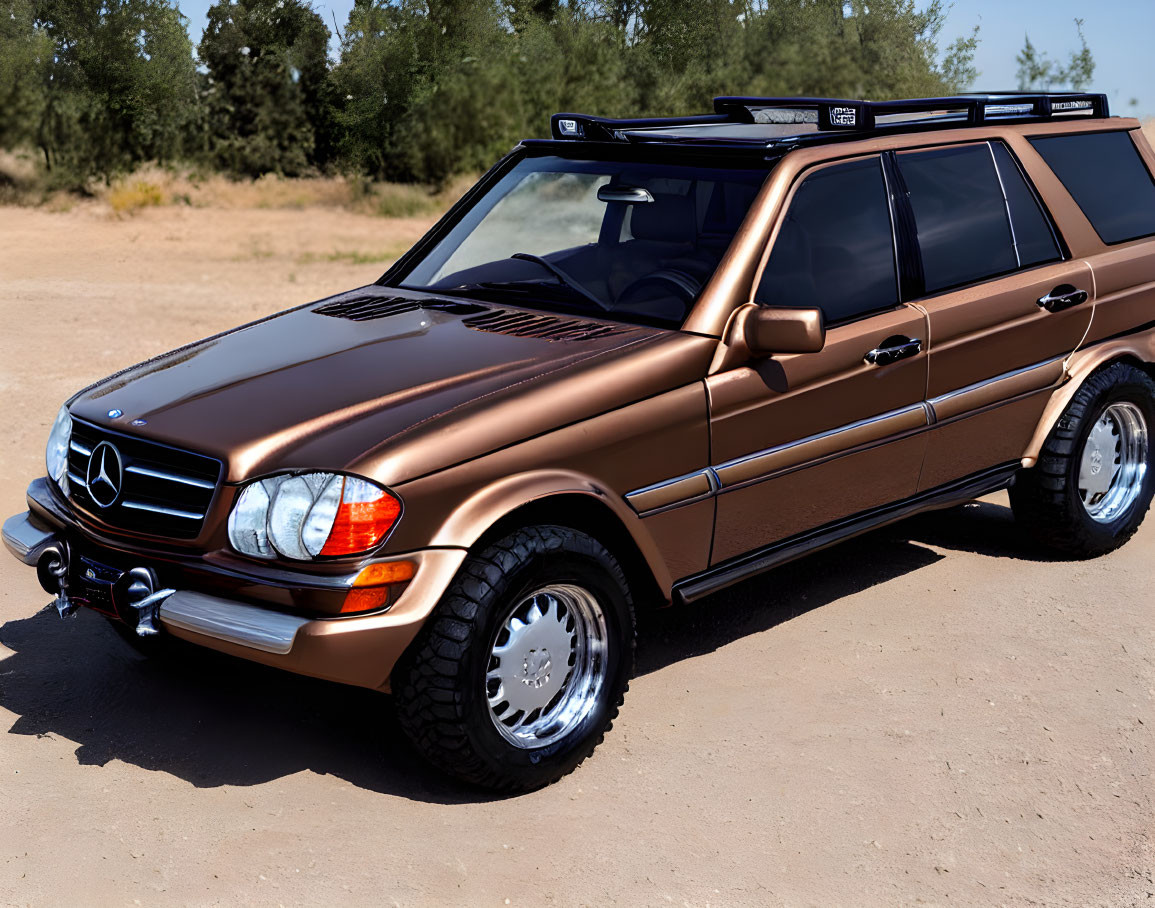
[{"x": 738, "y": 569}]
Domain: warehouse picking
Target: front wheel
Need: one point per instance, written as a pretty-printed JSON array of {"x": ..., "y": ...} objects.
[
  {"x": 520, "y": 670},
  {"x": 1093, "y": 482}
]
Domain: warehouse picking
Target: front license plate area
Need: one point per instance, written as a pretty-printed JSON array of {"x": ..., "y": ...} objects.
[{"x": 90, "y": 584}]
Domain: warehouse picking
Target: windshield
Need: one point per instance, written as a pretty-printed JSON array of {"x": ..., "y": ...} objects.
[{"x": 624, "y": 241}]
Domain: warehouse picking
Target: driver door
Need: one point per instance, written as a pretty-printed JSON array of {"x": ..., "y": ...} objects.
[{"x": 805, "y": 440}]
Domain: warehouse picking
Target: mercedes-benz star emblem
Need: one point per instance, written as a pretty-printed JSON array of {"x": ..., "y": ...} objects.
[{"x": 105, "y": 474}]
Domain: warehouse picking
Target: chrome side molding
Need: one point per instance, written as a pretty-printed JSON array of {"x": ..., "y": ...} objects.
[{"x": 761, "y": 465}]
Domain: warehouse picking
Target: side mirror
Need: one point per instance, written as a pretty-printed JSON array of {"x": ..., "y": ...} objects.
[{"x": 769, "y": 330}]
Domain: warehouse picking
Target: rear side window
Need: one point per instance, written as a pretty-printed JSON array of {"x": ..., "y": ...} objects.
[
  {"x": 1107, "y": 178},
  {"x": 835, "y": 248},
  {"x": 960, "y": 215},
  {"x": 1034, "y": 238}
]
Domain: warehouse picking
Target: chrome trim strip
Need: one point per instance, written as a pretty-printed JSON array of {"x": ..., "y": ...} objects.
[
  {"x": 987, "y": 382},
  {"x": 737, "y": 483},
  {"x": 24, "y": 539},
  {"x": 171, "y": 477},
  {"x": 77, "y": 480},
  {"x": 79, "y": 448},
  {"x": 881, "y": 417},
  {"x": 717, "y": 483},
  {"x": 233, "y": 622},
  {"x": 637, "y": 495},
  {"x": 157, "y": 509}
]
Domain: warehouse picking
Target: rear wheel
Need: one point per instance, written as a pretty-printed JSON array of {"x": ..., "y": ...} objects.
[
  {"x": 520, "y": 671},
  {"x": 1093, "y": 483}
]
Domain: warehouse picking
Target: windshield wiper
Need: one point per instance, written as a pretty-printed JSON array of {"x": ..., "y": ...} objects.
[{"x": 561, "y": 276}]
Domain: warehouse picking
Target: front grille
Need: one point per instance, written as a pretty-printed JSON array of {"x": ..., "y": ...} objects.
[
  {"x": 548, "y": 327},
  {"x": 163, "y": 491}
]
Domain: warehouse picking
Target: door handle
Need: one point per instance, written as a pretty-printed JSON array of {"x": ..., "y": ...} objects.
[
  {"x": 1062, "y": 297},
  {"x": 893, "y": 349}
]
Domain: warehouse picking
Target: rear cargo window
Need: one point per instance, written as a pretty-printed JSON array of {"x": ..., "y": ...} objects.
[
  {"x": 834, "y": 250},
  {"x": 1034, "y": 237},
  {"x": 960, "y": 215},
  {"x": 1107, "y": 178}
]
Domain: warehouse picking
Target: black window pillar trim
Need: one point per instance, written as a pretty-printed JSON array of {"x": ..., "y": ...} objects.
[{"x": 912, "y": 282}]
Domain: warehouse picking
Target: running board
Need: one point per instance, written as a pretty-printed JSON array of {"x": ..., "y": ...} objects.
[{"x": 738, "y": 569}]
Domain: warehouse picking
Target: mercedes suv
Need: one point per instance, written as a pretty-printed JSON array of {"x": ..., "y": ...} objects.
[{"x": 638, "y": 362}]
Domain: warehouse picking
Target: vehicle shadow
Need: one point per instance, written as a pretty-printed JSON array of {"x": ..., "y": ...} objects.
[
  {"x": 201, "y": 716},
  {"x": 681, "y": 632},
  {"x": 212, "y": 720}
]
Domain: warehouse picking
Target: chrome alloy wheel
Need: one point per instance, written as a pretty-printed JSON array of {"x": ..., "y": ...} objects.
[
  {"x": 1113, "y": 464},
  {"x": 547, "y": 666}
]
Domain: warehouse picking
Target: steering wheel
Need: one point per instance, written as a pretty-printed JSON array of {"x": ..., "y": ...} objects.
[{"x": 684, "y": 286}]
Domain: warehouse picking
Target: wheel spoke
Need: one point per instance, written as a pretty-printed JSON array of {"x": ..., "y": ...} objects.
[
  {"x": 1113, "y": 462},
  {"x": 550, "y": 668}
]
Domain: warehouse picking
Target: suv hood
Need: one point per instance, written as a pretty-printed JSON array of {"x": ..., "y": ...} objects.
[{"x": 305, "y": 390}]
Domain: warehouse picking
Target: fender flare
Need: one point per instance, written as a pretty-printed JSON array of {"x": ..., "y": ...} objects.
[
  {"x": 477, "y": 515},
  {"x": 1139, "y": 348}
]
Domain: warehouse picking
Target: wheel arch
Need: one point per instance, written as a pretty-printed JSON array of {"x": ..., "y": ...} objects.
[
  {"x": 563, "y": 499},
  {"x": 1137, "y": 350}
]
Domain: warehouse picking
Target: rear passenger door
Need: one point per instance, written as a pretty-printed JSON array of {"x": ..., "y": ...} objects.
[
  {"x": 1004, "y": 305},
  {"x": 801, "y": 441}
]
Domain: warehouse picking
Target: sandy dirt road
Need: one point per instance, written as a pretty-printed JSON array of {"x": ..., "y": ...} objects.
[{"x": 929, "y": 715}]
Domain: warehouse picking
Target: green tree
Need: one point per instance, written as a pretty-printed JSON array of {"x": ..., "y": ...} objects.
[
  {"x": 266, "y": 91},
  {"x": 432, "y": 88},
  {"x": 116, "y": 84},
  {"x": 25, "y": 54},
  {"x": 1037, "y": 71}
]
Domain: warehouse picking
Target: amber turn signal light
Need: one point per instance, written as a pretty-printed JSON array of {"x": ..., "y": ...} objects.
[
  {"x": 386, "y": 572},
  {"x": 374, "y": 586}
]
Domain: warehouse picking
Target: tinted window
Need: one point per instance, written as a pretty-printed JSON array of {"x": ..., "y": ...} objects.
[
  {"x": 1034, "y": 239},
  {"x": 835, "y": 249},
  {"x": 1105, "y": 175},
  {"x": 960, "y": 215}
]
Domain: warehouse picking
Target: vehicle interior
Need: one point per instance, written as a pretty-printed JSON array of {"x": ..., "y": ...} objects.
[{"x": 653, "y": 235}]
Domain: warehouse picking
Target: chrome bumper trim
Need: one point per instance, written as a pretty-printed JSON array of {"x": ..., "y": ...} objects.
[
  {"x": 24, "y": 539},
  {"x": 233, "y": 622}
]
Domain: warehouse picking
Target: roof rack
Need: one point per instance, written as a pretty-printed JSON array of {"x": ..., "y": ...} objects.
[{"x": 842, "y": 115}]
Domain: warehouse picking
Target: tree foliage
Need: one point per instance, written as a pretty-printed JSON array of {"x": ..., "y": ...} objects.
[
  {"x": 266, "y": 87},
  {"x": 430, "y": 88},
  {"x": 423, "y": 89},
  {"x": 96, "y": 85},
  {"x": 1039, "y": 72}
]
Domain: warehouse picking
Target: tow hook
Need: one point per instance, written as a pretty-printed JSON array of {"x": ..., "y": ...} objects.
[
  {"x": 52, "y": 572},
  {"x": 137, "y": 589}
]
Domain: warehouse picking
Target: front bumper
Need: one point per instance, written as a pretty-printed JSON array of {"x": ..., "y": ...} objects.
[{"x": 357, "y": 650}]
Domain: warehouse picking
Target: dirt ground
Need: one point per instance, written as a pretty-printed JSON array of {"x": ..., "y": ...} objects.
[{"x": 933, "y": 714}]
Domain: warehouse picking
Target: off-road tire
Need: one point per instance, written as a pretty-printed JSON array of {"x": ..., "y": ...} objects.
[
  {"x": 1046, "y": 499},
  {"x": 439, "y": 683}
]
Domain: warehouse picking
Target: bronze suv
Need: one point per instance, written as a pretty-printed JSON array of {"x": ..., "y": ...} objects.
[{"x": 639, "y": 362}]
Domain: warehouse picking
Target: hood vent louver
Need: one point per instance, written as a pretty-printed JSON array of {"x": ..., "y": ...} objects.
[
  {"x": 547, "y": 327},
  {"x": 367, "y": 308}
]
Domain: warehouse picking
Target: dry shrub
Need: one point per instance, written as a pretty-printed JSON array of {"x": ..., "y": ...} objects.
[
  {"x": 188, "y": 187},
  {"x": 20, "y": 181},
  {"x": 127, "y": 198}
]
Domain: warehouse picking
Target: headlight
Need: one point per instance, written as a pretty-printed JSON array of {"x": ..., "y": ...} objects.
[
  {"x": 301, "y": 517},
  {"x": 56, "y": 455}
]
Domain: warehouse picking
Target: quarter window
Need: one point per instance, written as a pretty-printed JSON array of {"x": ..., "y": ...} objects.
[
  {"x": 835, "y": 249},
  {"x": 1035, "y": 241},
  {"x": 1106, "y": 177}
]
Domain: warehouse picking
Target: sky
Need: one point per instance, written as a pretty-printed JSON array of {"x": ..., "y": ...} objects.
[{"x": 1120, "y": 33}]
